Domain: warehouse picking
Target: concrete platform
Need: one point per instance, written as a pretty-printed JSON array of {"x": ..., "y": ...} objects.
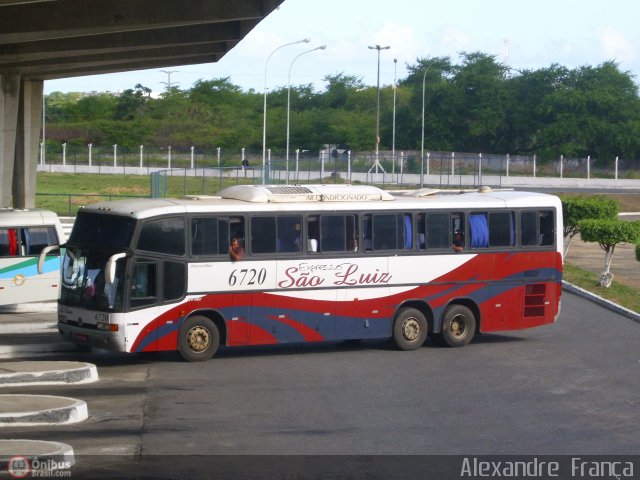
[
  {"x": 45, "y": 455},
  {"x": 15, "y": 374},
  {"x": 32, "y": 410}
]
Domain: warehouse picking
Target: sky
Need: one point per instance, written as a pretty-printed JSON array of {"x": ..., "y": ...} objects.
[{"x": 523, "y": 34}]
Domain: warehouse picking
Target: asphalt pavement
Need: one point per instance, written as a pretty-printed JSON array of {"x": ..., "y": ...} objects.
[{"x": 32, "y": 334}]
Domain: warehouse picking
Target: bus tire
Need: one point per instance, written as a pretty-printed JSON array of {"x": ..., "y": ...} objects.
[
  {"x": 198, "y": 339},
  {"x": 458, "y": 326},
  {"x": 410, "y": 329}
]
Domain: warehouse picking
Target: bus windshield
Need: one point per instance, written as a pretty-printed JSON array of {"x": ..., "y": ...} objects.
[
  {"x": 83, "y": 280},
  {"x": 106, "y": 231}
]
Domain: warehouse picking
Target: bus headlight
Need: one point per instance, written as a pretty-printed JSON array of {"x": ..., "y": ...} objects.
[{"x": 110, "y": 327}]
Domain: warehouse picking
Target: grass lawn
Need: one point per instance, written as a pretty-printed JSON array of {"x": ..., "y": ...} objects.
[
  {"x": 618, "y": 293},
  {"x": 64, "y": 193}
]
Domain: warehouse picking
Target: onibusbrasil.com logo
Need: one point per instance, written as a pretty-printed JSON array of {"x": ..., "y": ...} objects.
[{"x": 24, "y": 467}]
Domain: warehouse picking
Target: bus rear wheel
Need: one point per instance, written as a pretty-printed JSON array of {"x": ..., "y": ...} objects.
[
  {"x": 410, "y": 329},
  {"x": 199, "y": 339},
  {"x": 458, "y": 326}
]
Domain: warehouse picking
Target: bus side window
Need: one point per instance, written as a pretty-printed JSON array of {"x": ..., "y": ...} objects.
[
  {"x": 385, "y": 232},
  {"x": 537, "y": 228},
  {"x": 529, "y": 229},
  {"x": 231, "y": 228},
  {"x": 421, "y": 238},
  {"x": 164, "y": 235},
  {"x": 547, "y": 230},
  {"x": 338, "y": 233},
  {"x": 204, "y": 236},
  {"x": 502, "y": 229},
  {"x": 313, "y": 233},
  {"x": 175, "y": 280},
  {"x": 143, "y": 283},
  {"x": 437, "y": 231},
  {"x": 479, "y": 230},
  {"x": 289, "y": 233},
  {"x": 458, "y": 241},
  {"x": 367, "y": 231},
  {"x": 332, "y": 233},
  {"x": 263, "y": 235},
  {"x": 35, "y": 239},
  {"x": 9, "y": 246}
]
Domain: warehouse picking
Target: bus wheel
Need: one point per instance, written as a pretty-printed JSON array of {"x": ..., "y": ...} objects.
[
  {"x": 410, "y": 329},
  {"x": 199, "y": 339},
  {"x": 458, "y": 326}
]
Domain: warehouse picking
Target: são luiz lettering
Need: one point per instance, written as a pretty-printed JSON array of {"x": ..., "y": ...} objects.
[{"x": 347, "y": 275}]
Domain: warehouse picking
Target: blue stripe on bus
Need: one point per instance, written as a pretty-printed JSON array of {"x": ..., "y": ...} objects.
[{"x": 29, "y": 268}]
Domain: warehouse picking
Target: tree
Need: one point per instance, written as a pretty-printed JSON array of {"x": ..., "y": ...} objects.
[
  {"x": 608, "y": 233},
  {"x": 578, "y": 208},
  {"x": 480, "y": 84},
  {"x": 131, "y": 102}
]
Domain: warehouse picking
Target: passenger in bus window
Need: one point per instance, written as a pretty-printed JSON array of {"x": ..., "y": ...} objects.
[
  {"x": 458, "y": 241},
  {"x": 236, "y": 250},
  {"x": 313, "y": 234}
]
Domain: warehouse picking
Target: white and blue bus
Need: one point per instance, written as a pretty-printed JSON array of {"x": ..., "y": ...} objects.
[{"x": 27, "y": 236}]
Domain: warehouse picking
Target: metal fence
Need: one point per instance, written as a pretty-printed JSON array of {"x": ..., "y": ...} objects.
[{"x": 143, "y": 159}]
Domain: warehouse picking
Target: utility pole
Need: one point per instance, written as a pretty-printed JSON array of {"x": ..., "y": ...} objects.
[{"x": 168, "y": 82}]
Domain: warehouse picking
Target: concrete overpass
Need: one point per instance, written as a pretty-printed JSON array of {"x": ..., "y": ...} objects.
[{"x": 49, "y": 39}]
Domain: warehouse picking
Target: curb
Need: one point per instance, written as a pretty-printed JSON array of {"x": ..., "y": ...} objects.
[
  {"x": 569, "y": 287},
  {"x": 18, "y": 374},
  {"x": 50, "y": 456},
  {"x": 34, "y": 410}
]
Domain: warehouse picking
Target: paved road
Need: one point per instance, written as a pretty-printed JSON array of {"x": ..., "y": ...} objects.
[{"x": 568, "y": 388}]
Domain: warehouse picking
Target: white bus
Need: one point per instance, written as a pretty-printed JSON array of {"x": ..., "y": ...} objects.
[
  {"x": 24, "y": 236},
  {"x": 310, "y": 263}
]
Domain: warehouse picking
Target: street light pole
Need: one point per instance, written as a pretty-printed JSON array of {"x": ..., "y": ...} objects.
[
  {"x": 377, "y": 162},
  {"x": 424, "y": 78},
  {"x": 393, "y": 137},
  {"x": 321, "y": 47},
  {"x": 264, "y": 108}
]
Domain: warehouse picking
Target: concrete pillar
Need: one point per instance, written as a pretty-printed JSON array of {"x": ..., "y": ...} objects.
[
  {"x": 20, "y": 124},
  {"x": 9, "y": 100},
  {"x": 27, "y": 143}
]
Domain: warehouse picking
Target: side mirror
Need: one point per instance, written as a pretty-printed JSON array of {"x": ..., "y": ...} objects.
[
  {"x": 110, "y": 268},
  {"x": 42, "y": 256}
]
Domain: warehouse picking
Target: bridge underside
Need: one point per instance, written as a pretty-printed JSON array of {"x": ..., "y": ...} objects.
[{"x": 49, "y": 39}]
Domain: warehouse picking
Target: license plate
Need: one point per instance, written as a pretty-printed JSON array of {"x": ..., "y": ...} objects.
[{"x": 81, "y": 337}]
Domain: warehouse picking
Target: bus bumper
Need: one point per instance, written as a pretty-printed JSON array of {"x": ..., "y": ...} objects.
[{"x": 92, "y": 337}]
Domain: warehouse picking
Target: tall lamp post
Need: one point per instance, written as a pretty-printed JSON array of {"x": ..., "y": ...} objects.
[
  {"x": 424, "y": 78},
  {"x": 264, "y": 108},
  {"x": 377, "y": 162},
  {"x": 393, "y": 137},
  {"x": 321, "y": 47}
]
